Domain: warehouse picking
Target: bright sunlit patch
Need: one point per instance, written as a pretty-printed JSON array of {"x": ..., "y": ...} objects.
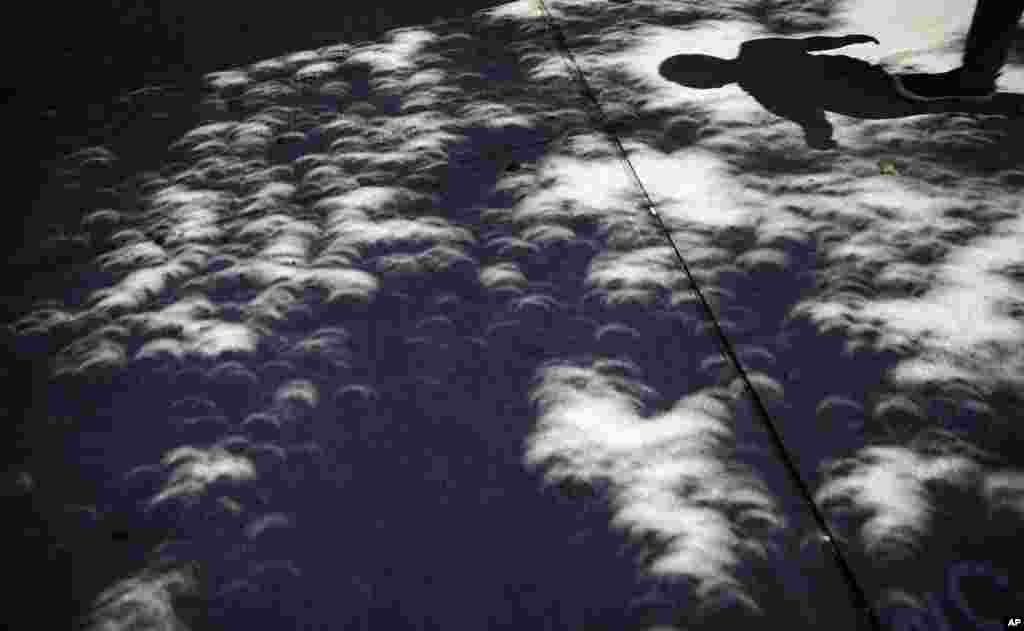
[
  {"x": 227, "y": 79},
  {"x": 193, "y": 469},
  {"x": 316, "y": 70},
  {"x": 138, "y": 288},
  {"x": 144, "y": 600},
  {"x": 216, "y": 338},
  {"x": 395, "y": 55},
  {"x": 961, "y": 313},
  {"x": 694, "y": 186},
  {"x": 891, "y": 487},
  {"x": 669, "y": 473}
]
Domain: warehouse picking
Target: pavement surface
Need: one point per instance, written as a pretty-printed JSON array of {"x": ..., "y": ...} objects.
[{"x": 561, "y": 315}]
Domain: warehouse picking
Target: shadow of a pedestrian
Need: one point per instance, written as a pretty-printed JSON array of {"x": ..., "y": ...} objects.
[{"x": 782, "y": 76}]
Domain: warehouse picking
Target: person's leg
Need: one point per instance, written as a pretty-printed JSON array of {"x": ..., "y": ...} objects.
[
  {"x": 817, "y": 130},
  {"x": 988, "y": 44},
  {"x": 990, "y": 36}
]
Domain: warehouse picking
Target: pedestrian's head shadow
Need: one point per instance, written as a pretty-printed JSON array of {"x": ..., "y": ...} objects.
[
  {"x": 781, "y": 75},
  {"x": 699, "y": 71}
]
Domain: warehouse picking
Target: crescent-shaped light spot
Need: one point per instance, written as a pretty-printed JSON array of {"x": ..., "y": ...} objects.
[
  {"x": 144, "y": 474},
  {"x": 616, "y": 331},
  {"x": 898, "y": 405},
  {"x": 103, "y": 218},
  {"x": 546, "y": 234},
  {"x": 297, "y": 392},
  {"x": 356, "y": 397},
  {"x": 301, "y": 57},
  {"x": 436, "y": 326},
  {"x": 755, "y": 356},
  {"x": 203, "y": 428},
  {"x": 715, "y": 365},
  {"x": 269, "y": 523},
  {"x": 619, "y": 367},
  {"x": 540, "y": 302},
  {"x": 765, "y": 386},
  {"x": 262, "y": 426},
  {"x": 194, "y": 406},
  {"x": 291, "y": 136},
  {"x": 764, "y": 258},
  {"x": 835, "y": 404},
  {"x": 128, "y": 236},
  {"x": 232, "y": 373},
  {"x": 503, "y": 327},
  {"x": 707, "y": 328},
  {"x": 235, "y": 444},
  {"x": 315, "y": 70},
  {"x": 513, "y": 247},
  {"x": 93, "y": 152},
  {"x": 758, "y": 519}
]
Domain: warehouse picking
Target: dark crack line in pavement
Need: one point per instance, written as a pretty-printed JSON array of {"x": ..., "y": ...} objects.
[{"x": 858, "y": 594}]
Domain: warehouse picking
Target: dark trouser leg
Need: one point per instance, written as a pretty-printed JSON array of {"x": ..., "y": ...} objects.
[
  {"x": 817, "y": 129},
  {"x": 990, "y": 36}
]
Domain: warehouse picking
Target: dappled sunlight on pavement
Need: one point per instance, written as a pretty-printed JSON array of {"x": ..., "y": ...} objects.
[{"x": 432, "y": 331}]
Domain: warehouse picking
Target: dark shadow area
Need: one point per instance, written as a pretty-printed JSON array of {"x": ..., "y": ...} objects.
[
  {"x": 782, "y": 75},
  {"x": 113, "y": 46},
  {"x": 361, "y": 464},
  {"x": 1017, "y": 47}
]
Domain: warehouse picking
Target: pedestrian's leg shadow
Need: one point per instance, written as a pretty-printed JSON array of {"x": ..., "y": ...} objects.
[{"x": 1008, "y": 104}]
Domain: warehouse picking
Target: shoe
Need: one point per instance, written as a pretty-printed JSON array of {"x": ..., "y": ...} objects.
[{"x": 955, "y": 84}]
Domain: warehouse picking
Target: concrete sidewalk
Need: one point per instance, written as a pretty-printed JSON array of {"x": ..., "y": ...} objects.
[{"x": 492, "y": 324}]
